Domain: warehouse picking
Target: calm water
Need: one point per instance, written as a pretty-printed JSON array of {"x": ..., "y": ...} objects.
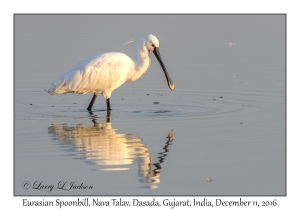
[{"x": 220, "y": 132}]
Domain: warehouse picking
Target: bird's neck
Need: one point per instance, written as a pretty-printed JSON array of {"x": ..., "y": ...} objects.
[{"x": 143, "y": 61}]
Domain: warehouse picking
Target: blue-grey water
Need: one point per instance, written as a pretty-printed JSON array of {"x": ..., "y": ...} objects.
[{"x": 220, "y": 132}]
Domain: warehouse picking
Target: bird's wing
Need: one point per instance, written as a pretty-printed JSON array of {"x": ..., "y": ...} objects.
[
  {"x": 68, "y": 82},
  {"x": 98, "y": 73}
]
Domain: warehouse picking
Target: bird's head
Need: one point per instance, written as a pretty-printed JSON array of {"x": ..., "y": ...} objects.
[{"x": 151, "y": 42}]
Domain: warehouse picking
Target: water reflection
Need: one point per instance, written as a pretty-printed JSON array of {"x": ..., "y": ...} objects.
[{"x": 100, "y": 144}]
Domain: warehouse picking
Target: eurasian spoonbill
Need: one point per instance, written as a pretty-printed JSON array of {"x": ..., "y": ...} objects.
[{"x": 103, "y": 73}]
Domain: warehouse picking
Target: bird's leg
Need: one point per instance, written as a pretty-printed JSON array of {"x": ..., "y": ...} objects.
[
  {"x": 108, "y": 104},
  {"x": 92, "y": 102},
  {"x": 108, "y": 116}
]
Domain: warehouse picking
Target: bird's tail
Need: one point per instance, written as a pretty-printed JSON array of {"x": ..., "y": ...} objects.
[
  {"x": 56, "y": 87},
  {"x": 52, "y": 89}
]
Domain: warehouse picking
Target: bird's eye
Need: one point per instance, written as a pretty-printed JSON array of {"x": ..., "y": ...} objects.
[{"x": 153, "y": 45}]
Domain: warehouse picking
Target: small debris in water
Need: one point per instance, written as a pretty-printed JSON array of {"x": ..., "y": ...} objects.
[
  {"x": 214, "y": 99},
  {"x": 241, "y": 123},
  {"x": 74, "y": 103},
  {"x": 52, "y": 106},
  {"x": 221, "y": 96},
  {"x": 208, "y": 179},
  {"x": 148, "y": 94},
  {"x": 155, "y": 102},
  {"x": 30, "y": 104}
]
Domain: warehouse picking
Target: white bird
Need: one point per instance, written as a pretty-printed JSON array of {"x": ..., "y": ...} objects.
[{"x": 103, "y": 73}]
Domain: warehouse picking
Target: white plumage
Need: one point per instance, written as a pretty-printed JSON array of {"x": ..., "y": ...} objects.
[{"x": 103, "y": 73}]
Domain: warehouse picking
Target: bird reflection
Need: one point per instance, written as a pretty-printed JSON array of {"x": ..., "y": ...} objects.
[{"x": 100, "y": 144}]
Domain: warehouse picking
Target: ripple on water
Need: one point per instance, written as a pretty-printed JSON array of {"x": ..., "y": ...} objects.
[
  {"x": 177, "y": 105},
  {"x": 194, "y": 104}
]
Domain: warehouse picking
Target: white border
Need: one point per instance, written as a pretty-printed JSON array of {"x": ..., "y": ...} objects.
[{"x": 8, "y": 8}]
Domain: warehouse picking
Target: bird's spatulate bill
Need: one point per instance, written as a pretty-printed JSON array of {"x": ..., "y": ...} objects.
[{"x": 169, "y": 80}]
